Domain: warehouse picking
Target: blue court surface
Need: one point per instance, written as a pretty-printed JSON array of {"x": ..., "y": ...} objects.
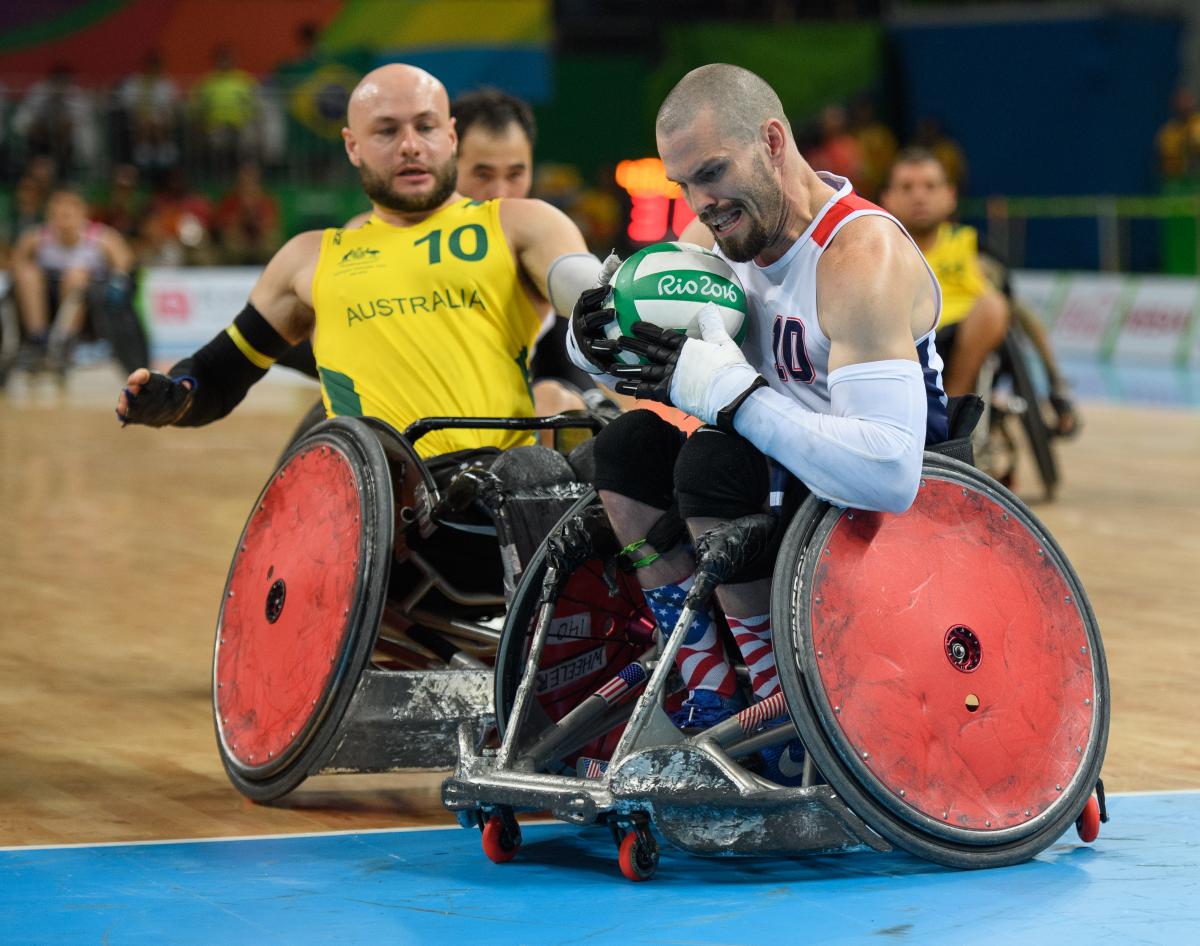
[{"x": 1140, "y": 883}]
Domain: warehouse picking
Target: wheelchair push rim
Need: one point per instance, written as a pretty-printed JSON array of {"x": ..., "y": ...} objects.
[
  {"x": 302, "y": 606},
  {"x": 944, "y": 668}
]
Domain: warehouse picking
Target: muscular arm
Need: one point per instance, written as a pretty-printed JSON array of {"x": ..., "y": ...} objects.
[
  {"x": 283, "y": 293},
  {"x": 874, "y": 296},
  {"x": 219, "y": 374},
  {"x": 539, "y": 234}
]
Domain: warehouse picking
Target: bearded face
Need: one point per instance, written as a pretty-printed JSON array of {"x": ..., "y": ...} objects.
[
  {"x": 381, "y": 189},
  {"x": 746, "y": 224}
]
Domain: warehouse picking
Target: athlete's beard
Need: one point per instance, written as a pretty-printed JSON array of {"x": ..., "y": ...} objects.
[
  {"x": 380, "y": 189},
  {"x": 765, "y": 195}
]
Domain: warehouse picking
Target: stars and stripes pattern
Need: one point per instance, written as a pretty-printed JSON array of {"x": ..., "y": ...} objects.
[
  {"x": 753, "y": 637},
  {"x": 629, "y": 677},
  {"x": 590, "y": 768},
  {"x": 701, "y": 658}
]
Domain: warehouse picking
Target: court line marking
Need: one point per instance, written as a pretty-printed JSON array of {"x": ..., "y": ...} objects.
[{"x": 430, "y": 827}]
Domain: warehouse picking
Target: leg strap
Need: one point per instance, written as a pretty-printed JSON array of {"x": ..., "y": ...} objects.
[{"x": 666, "y": 533}]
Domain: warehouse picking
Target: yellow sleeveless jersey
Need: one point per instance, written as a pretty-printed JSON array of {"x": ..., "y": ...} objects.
[
  {"x": 954, "y": 259},
  {"x": 423, "y": 321}
]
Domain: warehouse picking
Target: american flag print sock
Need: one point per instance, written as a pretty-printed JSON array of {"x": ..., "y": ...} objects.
[
  {"x": 701, "y": 659},
  {"x": 753, "y": 637}
]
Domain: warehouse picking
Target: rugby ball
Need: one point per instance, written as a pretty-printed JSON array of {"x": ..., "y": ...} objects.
[{"x": 666, "y": 284}]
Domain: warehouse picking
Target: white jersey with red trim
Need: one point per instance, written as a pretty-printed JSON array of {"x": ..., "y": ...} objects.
[{"x": 784, "y": 341}]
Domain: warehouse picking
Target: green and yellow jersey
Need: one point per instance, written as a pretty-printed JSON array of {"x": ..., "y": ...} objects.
[
  {"x": 954, "y": 259},
  {"x": 427, "y": 320}
]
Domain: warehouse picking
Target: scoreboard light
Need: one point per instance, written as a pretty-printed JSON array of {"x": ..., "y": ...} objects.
[{"x": 658, "y": 210}]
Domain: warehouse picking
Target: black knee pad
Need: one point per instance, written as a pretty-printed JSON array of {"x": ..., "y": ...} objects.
[
  {"x": 635, "y": 456},
  {"x": 720, "y": 474}
]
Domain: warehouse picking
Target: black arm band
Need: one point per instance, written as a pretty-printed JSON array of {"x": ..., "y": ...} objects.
[
  {"x": 726, "y": 414},
  {"x": 224, "y": 369}
]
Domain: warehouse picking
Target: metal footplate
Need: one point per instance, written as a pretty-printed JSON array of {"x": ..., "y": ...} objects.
[{"x": 688, "y": 794}]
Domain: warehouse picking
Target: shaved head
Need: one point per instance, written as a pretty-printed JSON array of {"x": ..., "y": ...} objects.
[
  {"x": 724, "y": 139},
  {"x": 739, "y": 102},
  {"x": 400, "y": 136},
  {"x": 396, "y": 78}
]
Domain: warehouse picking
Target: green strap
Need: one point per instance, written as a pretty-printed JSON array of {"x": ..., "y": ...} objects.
[{"x": 641, "y": 562}]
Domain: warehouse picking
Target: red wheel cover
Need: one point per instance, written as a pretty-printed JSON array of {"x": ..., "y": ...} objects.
[
  {"x": 301, "y": 544},
  {"x": 987, "y": 741}
]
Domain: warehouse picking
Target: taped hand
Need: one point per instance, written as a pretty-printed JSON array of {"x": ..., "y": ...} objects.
[{"x": 698, "y": 375}]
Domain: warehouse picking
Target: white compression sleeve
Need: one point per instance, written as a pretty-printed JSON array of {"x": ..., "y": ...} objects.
[
  {"x": 867, "y": 453},
  {"x": 568, "y": 277}
]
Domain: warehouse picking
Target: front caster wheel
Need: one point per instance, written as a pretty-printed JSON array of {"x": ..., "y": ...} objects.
[
  {"x": 499, "y": 843},
  {"x": 1088, "y": 822},
  {"x": 638, "y": 856}
]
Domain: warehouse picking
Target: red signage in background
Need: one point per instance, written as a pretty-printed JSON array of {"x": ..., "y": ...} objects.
[{"x": 659, "y": 211}]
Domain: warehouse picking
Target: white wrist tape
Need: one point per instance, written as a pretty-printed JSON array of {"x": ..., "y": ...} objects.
[{"x": 867, "y": 453}]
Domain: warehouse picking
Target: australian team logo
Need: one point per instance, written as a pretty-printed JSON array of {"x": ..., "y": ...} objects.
[{"x": 360, "y": 254}]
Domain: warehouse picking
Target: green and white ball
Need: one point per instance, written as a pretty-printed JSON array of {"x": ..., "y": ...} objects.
[{"x": 666, "y": 284}]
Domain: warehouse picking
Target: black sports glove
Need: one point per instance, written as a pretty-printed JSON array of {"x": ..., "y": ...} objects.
[
  {"x": 587, "y": 325},
  {"x": 661, "y": 348},
  {"x": 161, "y": 401}
]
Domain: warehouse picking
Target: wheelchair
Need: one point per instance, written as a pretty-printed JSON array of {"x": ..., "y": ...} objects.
[
  {"x": 942, "y": 668},
  {"x": 360, "y": 617}
]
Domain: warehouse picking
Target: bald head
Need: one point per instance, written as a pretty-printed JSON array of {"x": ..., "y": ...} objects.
[
  {"x": 396, "y": 82},
  {"x": 738, "y": 101},
  {"x": 401, "y": 138}
]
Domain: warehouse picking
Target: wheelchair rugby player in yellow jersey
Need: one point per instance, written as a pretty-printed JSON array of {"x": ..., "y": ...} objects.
[{"x": 428, "y": 315}]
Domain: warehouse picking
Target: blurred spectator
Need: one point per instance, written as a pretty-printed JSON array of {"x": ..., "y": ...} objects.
[
  {"x": 949, "y": 154},
  {"x": 56, "y": 118},
  {"x": 975, "y": 316},
  {"x": 124, "y": 209},
  {"x": 1178, "y": 140},
  {"x": 31, "y": 193},
  {"x": 61, "y": 268},
  {"x": 148, "y": 112},
  {"x": 225, "y": 106},
  {"x": 246, "y": 224},
  {"x": 876, "y": 144},
  {"x": 837, "y": 150},
  {"x": 176, "y": 229}
]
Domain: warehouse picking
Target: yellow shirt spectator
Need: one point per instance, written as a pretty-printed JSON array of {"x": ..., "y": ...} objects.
[{"x": 226, "y": 98}]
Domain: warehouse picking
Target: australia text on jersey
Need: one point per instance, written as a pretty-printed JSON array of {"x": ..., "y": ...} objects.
[{"x": 446, "y": 298}]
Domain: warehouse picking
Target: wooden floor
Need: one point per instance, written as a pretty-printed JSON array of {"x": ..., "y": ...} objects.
[{"x": 116, "y": 545}]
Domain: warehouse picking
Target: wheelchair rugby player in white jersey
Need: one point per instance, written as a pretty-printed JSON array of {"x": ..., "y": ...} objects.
[
  {"x": 837, "y": 382},
  {"x": 888, "y": 601}
]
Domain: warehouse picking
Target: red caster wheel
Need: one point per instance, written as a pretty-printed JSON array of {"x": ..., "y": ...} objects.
[
  {"x": 639, "y": 855},
  {"x": 1088, "y": 822},
  {"x": 499, "y": 843}
]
